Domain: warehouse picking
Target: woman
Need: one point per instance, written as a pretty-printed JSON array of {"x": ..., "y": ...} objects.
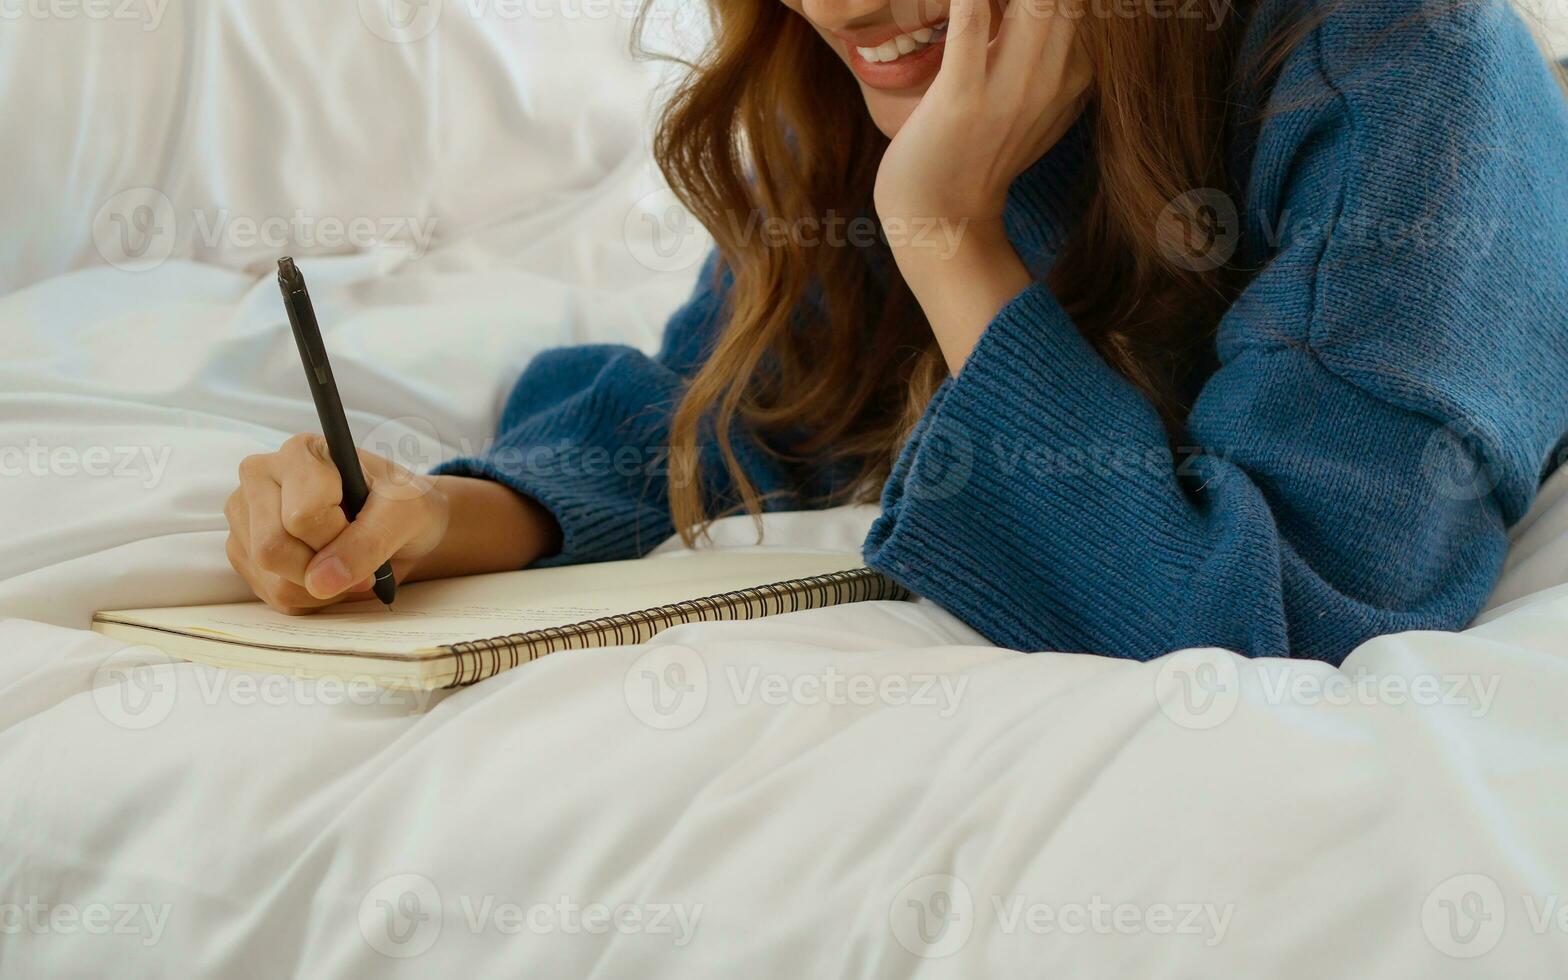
[{"x": 1190, "y": 325}]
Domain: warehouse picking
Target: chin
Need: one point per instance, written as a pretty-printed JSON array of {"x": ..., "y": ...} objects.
[{"x": 890, "y": 111}]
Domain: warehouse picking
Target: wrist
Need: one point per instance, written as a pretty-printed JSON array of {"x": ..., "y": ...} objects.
[
  {"x": 962, "y": 288},
  {"x": 437, "y": 520},
  {"x": 484, "y": 526},
  {"x": 951, "y": 247}
]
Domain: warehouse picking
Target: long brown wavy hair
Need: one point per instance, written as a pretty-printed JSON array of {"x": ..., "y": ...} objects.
[{"x": 826, "y": 355}]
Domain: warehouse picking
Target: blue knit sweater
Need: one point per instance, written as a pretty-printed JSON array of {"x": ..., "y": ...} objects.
[{"x": 1392, "y": 384}]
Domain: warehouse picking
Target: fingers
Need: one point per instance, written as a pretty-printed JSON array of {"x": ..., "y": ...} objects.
[
  {"x": 1038, "y": 34},
  {"x": 285, "y": 508},
  {"x": 273, "y": 549},
  {"x": 290, "y": 540},
  {"x": 383, "y": 527},
  {"x": 388, "y": 479},
  {"x": 968, "y": 38},
  {"x": 237, "y": 513},
  {"x": 312, "y": 491},
  {"x": 287, "y": 597}
]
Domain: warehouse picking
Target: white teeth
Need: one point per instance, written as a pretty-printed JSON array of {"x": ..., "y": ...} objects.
[{"x": 904, "y": 44}]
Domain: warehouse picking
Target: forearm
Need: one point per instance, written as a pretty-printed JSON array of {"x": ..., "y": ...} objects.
[
  {"x": 490, "y": 528},
  {"x": 961, "y": 291}
]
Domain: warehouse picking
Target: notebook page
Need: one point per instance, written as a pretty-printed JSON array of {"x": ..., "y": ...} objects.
[{"x": 432, "y": 614}]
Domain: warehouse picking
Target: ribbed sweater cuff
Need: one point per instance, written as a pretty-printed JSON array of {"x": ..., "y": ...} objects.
[{"x": 1032, "y": 387}]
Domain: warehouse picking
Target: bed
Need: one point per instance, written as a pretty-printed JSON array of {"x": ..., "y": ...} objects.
[{"x": 867, "y": 791}]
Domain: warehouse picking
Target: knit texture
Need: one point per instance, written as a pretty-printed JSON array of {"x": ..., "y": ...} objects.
[{"x": 1392, "y": 388}]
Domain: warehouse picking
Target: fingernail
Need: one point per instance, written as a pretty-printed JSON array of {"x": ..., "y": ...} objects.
[{"x": 328, "y": 579}]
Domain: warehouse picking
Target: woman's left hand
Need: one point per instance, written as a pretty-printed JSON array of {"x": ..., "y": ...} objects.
[{"x": 988, "y": 116}]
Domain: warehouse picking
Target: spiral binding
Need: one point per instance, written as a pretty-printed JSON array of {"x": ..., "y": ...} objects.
[{"x": 479, "y": 659}]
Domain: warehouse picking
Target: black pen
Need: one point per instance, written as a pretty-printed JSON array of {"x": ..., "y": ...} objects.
[{"x": 329, "y": 407}]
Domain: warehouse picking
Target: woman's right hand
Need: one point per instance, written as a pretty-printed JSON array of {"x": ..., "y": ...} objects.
[{"x": 289, "y": 538}]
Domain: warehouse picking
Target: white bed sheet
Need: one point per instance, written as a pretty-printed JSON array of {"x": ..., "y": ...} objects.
[
  {"x": 1076, "y": 815},
  {"x": 914, "y": 802}
]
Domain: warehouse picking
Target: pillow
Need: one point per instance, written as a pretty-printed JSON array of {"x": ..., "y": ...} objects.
[{"x": 231, "y": 131}]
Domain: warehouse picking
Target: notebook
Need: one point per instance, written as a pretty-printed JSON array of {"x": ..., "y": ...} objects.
[{"x": 458, "y": 631}]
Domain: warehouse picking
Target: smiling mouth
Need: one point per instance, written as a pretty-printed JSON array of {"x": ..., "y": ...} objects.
[{"x": 904, "y": 45}]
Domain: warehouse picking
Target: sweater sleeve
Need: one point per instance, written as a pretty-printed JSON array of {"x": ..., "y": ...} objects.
[
  {"x": 1360, "y": 451},
  {"x": 585, "y": 432},
  {"x": 1307, "y": 517}
]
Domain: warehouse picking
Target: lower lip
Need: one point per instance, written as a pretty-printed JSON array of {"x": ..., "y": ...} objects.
[{"x": 911, "y": 71}]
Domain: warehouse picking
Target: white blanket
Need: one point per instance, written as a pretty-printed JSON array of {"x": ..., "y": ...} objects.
[
  {"x": 864, "y": 791},
  {"x": 869, "y": 791}
]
